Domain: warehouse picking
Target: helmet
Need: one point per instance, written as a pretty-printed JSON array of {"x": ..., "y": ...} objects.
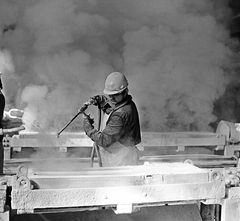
[{"x": 115, "y": 83}]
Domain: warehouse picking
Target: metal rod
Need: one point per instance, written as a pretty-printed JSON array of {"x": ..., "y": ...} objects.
[
  {"x": 58, "y": 134},
  {"x": 81, "y": 111}
]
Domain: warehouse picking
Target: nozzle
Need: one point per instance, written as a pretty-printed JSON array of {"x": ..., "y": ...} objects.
[
  {"x": 92, "y": 100},
  {"x": 86, "y": 104},
  {"x": 83, "y": 108}
]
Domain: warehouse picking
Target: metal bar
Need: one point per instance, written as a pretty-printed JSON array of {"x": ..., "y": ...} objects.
[
  {"x": 103, "y": 196},
  {"x": 161, "y": 168},
  {"x": 231, "y": 205},
  {"x": 183, "y": 139},
  {"x": 46, "y": 142},
  {"x": 189, "y": 156},
  {"x": 149, "y": 140},
  {"x": 119, "y": 176},
  {"x": 45, "y": 160},
  {"x": 97, "y": 180},
  {"x": 161, "y": 158}
]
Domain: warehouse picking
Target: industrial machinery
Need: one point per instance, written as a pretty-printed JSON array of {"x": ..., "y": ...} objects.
[{"x": 195, "y": 171}]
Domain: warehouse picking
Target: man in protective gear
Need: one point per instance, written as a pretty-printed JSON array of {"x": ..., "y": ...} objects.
[{"x": 119, "y": 135}]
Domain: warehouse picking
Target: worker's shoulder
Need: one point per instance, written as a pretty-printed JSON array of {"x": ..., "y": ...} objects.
[{"x": 125, "y": 109}]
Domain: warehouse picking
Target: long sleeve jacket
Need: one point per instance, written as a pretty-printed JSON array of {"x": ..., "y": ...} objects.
[{"x": 122, "y": 126}]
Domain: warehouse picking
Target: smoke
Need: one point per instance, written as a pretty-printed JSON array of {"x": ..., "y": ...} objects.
[
  {"x": 6, "y": 64},
  {"x": 175, "y": 55}
]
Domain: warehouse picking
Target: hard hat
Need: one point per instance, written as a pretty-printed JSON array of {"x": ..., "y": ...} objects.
[{"x": 115, "y": 83}]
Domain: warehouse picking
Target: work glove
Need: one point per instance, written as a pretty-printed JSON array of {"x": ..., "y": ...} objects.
[
  {"x": 98, "y": 100},
  {"x": 102, "y": 102},
  {"x": 88, "y": 123}
]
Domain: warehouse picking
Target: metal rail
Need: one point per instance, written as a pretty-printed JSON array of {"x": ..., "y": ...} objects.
[{"x": 115, "y": 187}]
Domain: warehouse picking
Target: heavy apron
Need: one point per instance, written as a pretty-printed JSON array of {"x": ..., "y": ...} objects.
[{"x": 117, "y": 154}]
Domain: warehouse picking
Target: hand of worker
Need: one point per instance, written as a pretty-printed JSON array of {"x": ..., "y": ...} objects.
[
  {"x": 99, "y": 100},
  {"x": 91, "y": 120},
  {"x": 88, "y": 123},
  {"x": 102, "y": 102}
]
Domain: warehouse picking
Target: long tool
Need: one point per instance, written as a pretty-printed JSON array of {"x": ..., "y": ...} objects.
[
  {"x": 81, "y": 111},
  {"x": 95, "y": 148}
]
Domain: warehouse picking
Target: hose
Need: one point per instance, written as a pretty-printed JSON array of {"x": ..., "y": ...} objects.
[
  {"x": 95, "y": 146},
  {"x": 99, "y": 118}
]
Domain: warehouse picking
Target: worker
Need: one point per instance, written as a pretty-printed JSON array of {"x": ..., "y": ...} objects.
[
  {"x": 9, "y": 124},
  {"x": 118, "y": 138}
]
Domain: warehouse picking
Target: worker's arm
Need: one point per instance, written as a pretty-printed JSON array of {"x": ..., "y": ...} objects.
[{"x": 110, "y": 134}]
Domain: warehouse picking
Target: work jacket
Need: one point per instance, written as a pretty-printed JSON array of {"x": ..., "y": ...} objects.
[{"x": 118, "y": 139}]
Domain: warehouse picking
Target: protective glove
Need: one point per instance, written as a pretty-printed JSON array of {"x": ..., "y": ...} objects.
[
  {"x": 90, "y": 120},
  {"x": 102, "y": 102},
  {"x": 88, "y": 124},
  {"x": 98, "y": 100}
]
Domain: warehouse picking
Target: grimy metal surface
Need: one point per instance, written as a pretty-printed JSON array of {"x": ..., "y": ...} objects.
[
  {"x": 80, "y": 145},
  {"x": 124, "y": 188},
  {"x": 162, "y": 180},
  {"x": 30, "y": 139},
  {"x": 116, "y": 187}
]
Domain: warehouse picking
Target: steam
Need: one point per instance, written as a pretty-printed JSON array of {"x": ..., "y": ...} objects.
[
  {"x": 35, "y": 96},
  {"x": 6, "y": 64},
  {"x": 175, "y": 55}
]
